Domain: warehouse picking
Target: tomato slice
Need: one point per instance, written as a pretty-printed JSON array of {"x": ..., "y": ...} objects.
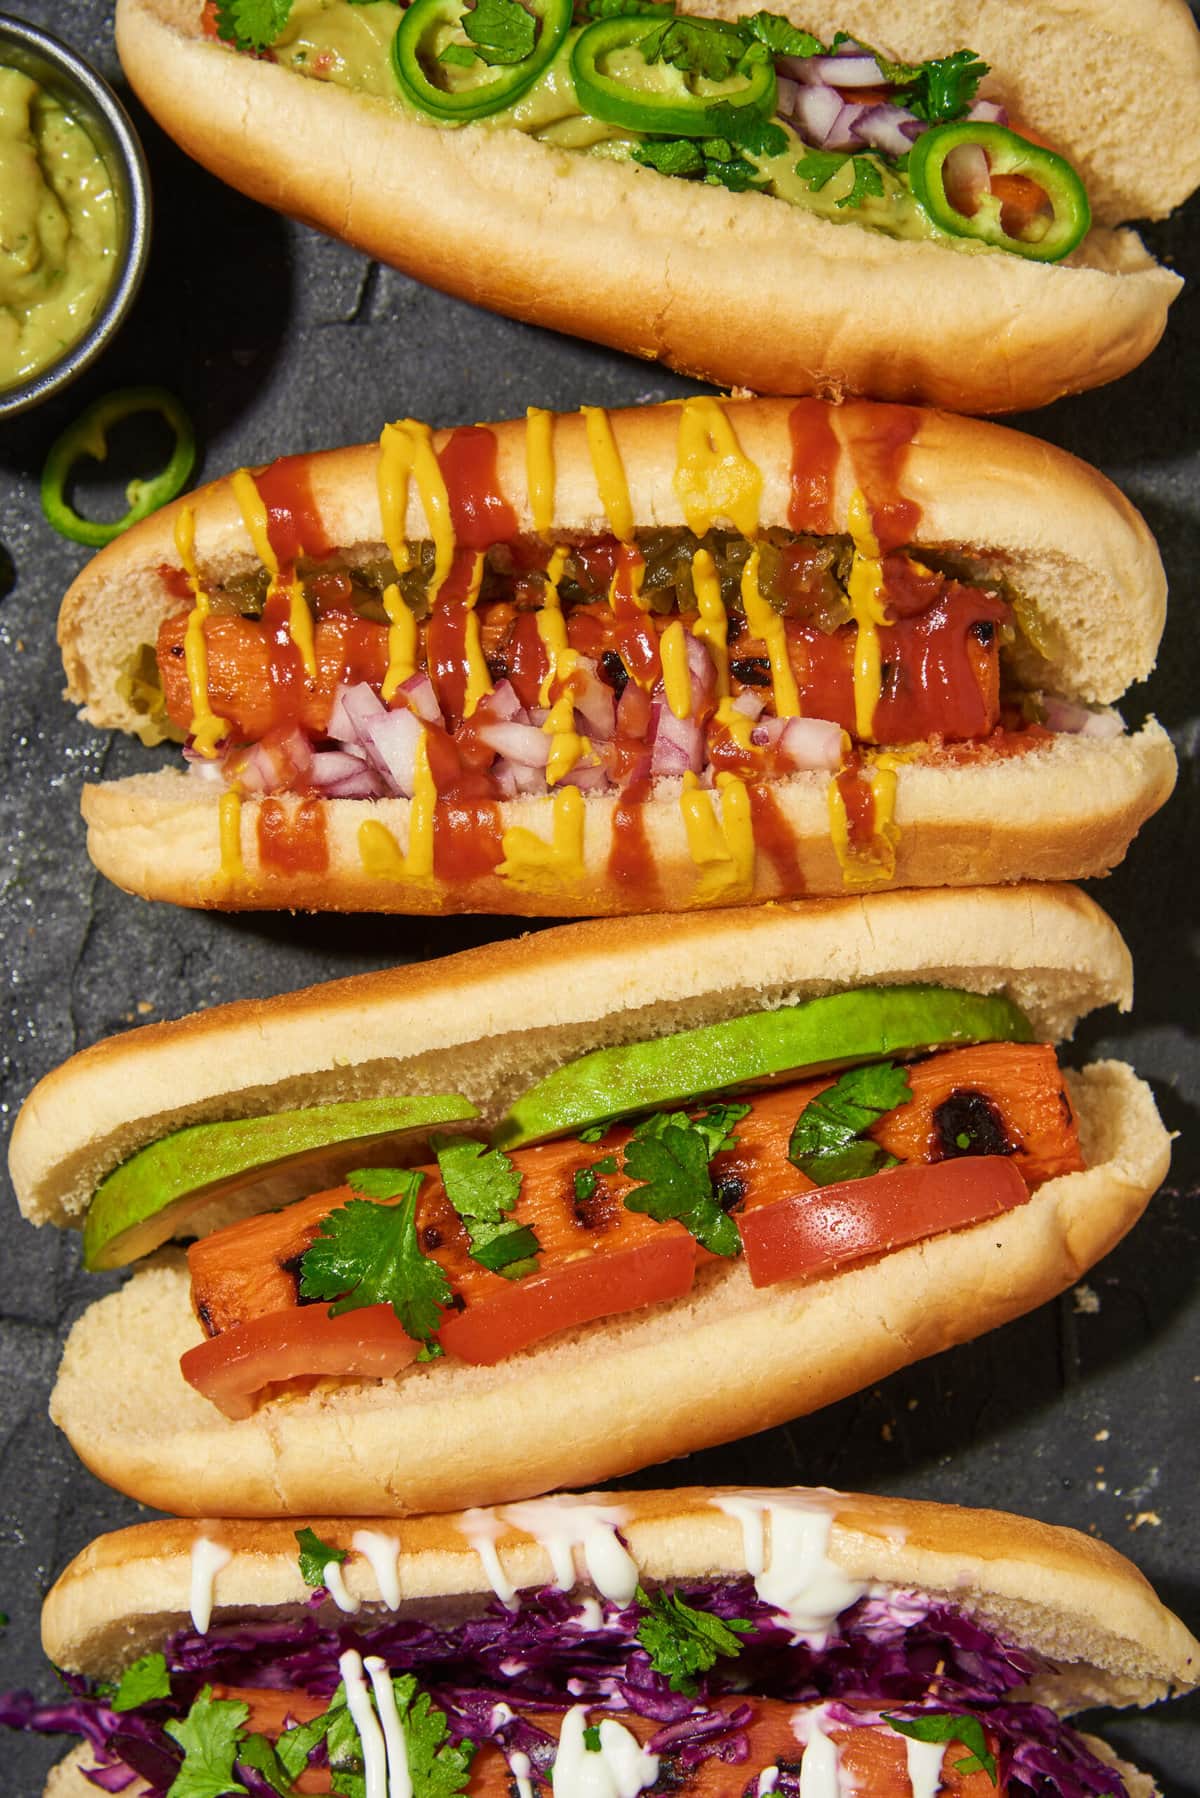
[
  {"x": 233, "y": 1368},
  {"x": 814, "y": 1232},
  {"x": 598, "y": 1285}
]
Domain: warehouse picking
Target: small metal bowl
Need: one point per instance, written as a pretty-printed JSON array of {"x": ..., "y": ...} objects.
[{"x": 93, "y": 104}]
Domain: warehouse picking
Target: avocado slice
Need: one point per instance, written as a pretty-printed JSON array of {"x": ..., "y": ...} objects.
[
  {"x": 144, "y": 1201},
  {"x": 835, "y": 1031}
]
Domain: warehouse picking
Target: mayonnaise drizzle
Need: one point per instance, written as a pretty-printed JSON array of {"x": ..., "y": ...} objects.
[
  {"x": 208, "y": 1558},
  {"x": 768, "y": 1779},
  {"x": 335, "y": 1585},
  {"x": 925, "y": 1767},
  {"x": 561, "y": 1525},
  {"x": 820, "y": 1768},
  {"x": 362, "y": 1714},
  {"x": 383, "y": 1554},
  {"x": 620, "y": 1768},
  {"x": 800, "y": 1581},
  {"x": 399, "y": 1777},
  {"x": 520, "y": 1766},
  {"x": 482, "y": 1528}
]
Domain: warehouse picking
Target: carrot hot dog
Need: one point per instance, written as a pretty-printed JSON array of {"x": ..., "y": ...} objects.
[
  {"x": 711, "y": 1642},
  {"x": 820, "y": 1140},
  {"x": 645, "y": 660},
  {"x": 816, "y": 200}
]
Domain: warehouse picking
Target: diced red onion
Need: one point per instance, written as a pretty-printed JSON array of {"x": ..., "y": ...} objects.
[
  {"x": 523, "y": 743},
  {"x": 1077, "y": 720},
  {"x": 634, "y": 711},
  {"x": 678, "y": 742},
  {"x": 891, "y": 129},
  {"x": 767, "y": 732},
  {"x": 966, "y": 178},
  {"x": 702, "y": 671},
  {"x": 811, "y": 743},
  {"x": 517, "y": 777},
  {"x": 785, "y": 96},
  {"x": 418, "y": 694},
  {"x": 751, "y": 703},
  {"x": 587, "y": 776},
  {"x": 842, "y": 134},
  {"x": 799, "y": 69},
  {"x": 989, "y": 112},
  {"x": 275, "y": 764},
  {"x": 593, "y": 700},
  {"x": 332, "y": 765},
  {"x": 849, "y": 68},
  {"x": 364, "y": 784},
  {"x": 352, "y": 707},
  {"x": 391, "y": 745},
  {"x": 815, "y": 111},
  {"x": 501, "y": 703},
  {"x": 202, "y": 769}
]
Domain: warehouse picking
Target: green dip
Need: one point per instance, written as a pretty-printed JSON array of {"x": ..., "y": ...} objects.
[{"x": 59, "y": 229}]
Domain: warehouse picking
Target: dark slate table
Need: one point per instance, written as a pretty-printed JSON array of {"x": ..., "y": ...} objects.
[{"x": 277, "y": 340}]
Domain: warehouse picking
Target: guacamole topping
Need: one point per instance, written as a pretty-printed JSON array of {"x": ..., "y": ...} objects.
[{"x": 59, "y": 229}]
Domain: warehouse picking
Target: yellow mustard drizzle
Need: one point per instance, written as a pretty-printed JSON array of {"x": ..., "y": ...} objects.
[
  {"x": 714, "y": 478},
  {"x": 712, "y": 626},
  {"x": 609, "y": 471},
  {"x": 406, "y": 450},
  {"x": 230, "y": 820},
  {"x": 378, "y": 849},
  {"x": 479, "y": 681},
  {"x": 722, "y": 848},
  {"x": 865, "y": 593},
  {"x": 868, "y": 867},
  {"x": 552, "y": 626},
  {"x": 566, "y": 745},
  {"x": 737, "y": 724},
  {"x": 402, "y": 642},
  {"x": 206, "y": 729},
  {"x": 531, "y": 862},
  {"x": 539, "y": 467},
  {"x": 765, "y": 622},
  {"x": 677, "y": 682},
  {"x": 254, "y": 517}
]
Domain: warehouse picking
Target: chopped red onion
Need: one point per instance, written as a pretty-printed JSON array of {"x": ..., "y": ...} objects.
[
  {"x": 891, "y": 129},
  {"x": 815, "y": 112},
  {"x": 332, "y": 765},
  {"x": 966, "y": 177},
  {"x": 848, "y": 68},
  {"x": 501, "y": 703},
  {"x": 751, "y": 703},
  {"x": 517, "y": 777},
  {"x": 634, "y": 710},
  {"x": 201, "y": 768},
  {"x": 278, "y": 762},
  {"x": 811, "y": 743},
  {"x": 420, "y": 698},
  {"x": 352, "y": 706},
  {"x": 585, "y": 775},
  {"x": 1080, "y": 721},
  {"x": 843, "y": 133},
  {"x": 523, "y": 743},
  {"x": 365, "y": 784},
  {"x": 702, "y": 672},
  {"x": 989, "y": 112},
  {"x": 391, "y": 745},
  {"x": 678, "y": 742},
  {"x": 593, "y": 700}
]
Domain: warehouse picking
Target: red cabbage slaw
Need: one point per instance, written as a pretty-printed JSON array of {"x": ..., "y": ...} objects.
[{"x": 907, "y": 1654}]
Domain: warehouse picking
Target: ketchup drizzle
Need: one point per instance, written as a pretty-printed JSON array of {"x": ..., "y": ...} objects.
[
  {"x": 478, "y": 510},
  {"x": 293, "y": 523}
]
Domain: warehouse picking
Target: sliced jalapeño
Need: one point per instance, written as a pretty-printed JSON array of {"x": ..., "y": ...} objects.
[
  {"x": 459, "y": 81},
  {"x": 1026, "y": 199}
]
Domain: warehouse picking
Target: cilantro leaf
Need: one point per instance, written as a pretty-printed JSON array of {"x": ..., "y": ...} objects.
[
  {"x": 942, "y": 88},
  {"x": 669, "y": 1156},
  {"x": 315, "y": 1556},
  {"x": 251, "y": 24},
  {"x": 257, "y": 1753},
  {"x": 586, "y": 1177},
  {"x": 682, "y": 1641},
  {"x": 385, "y": 1182},
  {"x": 483, "y": 1186},
  {"x": 142, "y": 1682},
  {"x": 594, "y": 1132},
  {"x": 461, "y": 55},
  {"x": 626, "y": 9},
  {"x": 827, "y": 1143},
  {"x": 781, "y": 37},
  {"x": 209, "y": 1736},
  {"x": 501, "y": 31},
  {"x": 591, "y": 1738},
  {"x": 868, "y": 182},
  {"x": 368, "y": 1254},
  {"x": 818, "y": 167},
  {"x": 670, "y": 156},
  {"x": 296, "y": 1744},
  {"x": 942, "y": 1728},
  {"x": 695, "y": 47}
]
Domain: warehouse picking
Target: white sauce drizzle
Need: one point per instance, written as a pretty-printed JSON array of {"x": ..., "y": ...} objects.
[
  {"x": 768, "y": 1779},
  {"x": 399, "y": 1777},
  {"x": 925, "y": 1767},
  {"x": 482, "y": 1528},
  {"x": 362, "y": 1714},
  {"x": 335, "y": 1585},
  {"x": 208, "y": 1558},
  {"x": 621, "y": 1768},
  {"x": 383, "y": 1554},
  {"x": 520, "y": 1766},
  {"x": 801, "y": 1582},
  {"x": 561, "y": 1525},
  {"x": 591, "y": 1615},
  {"x": 821, "y": 1766}
]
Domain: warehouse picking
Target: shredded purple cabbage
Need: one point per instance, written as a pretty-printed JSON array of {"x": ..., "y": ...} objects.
[{"x": 902, "y": 1654}]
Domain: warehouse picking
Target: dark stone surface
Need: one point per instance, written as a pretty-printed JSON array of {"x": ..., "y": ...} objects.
[{"x": 277, "y": 340}]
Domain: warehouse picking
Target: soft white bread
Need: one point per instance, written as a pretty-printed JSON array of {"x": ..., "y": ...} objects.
[
  {"x": 1092, "y": 596},
  {"x": 1067, "y": 810},
  {"x": 722, "y": 1363},
  {"x": 748, "y": 290},
  {"x": 490, "y": 1021},
  {"x": 1062, "y": 536},
  {"x": 1051, "y": 1591}
]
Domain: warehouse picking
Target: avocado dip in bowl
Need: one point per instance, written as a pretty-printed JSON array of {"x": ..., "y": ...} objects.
[{"x": 74, "y": 215}]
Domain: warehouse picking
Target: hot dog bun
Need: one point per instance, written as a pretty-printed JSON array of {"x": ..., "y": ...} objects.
[
  {"x": 1058, "y": 532},
  {"x": 490, "y": 1021},
  {"x": 576, "y": 242}
]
